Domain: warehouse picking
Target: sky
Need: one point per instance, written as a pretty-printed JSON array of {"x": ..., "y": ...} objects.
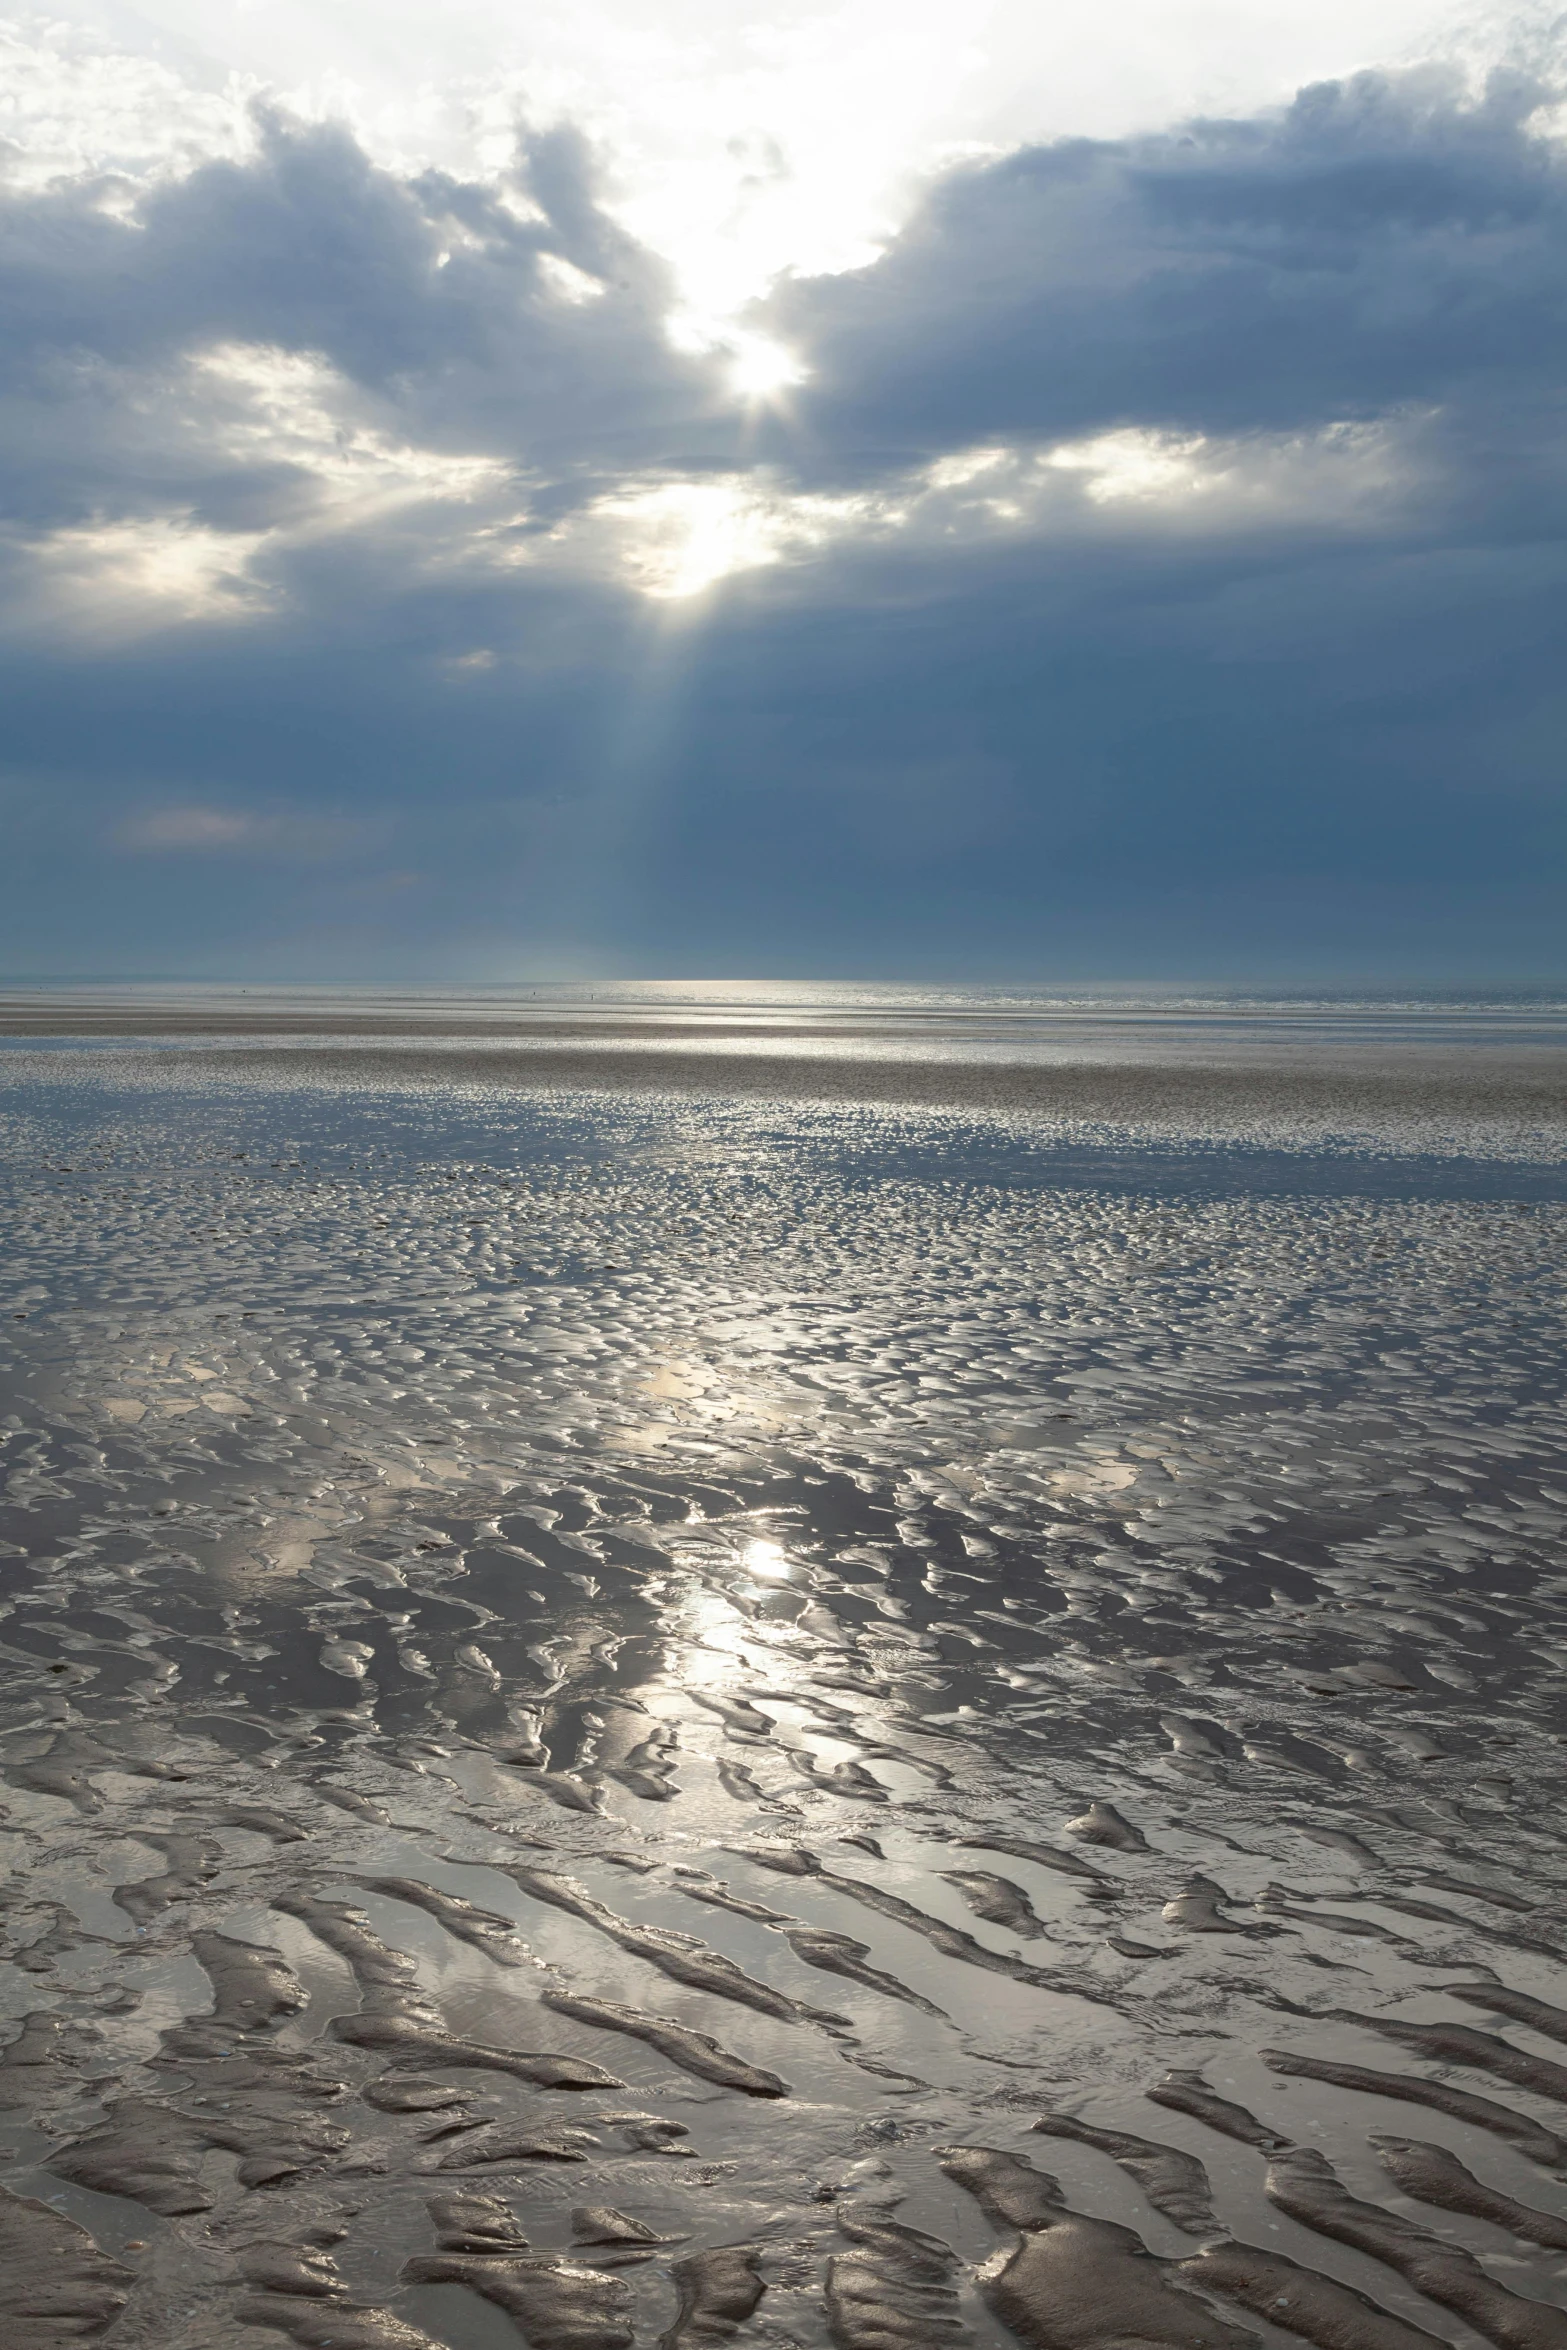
[{"x": 856, "y": 490}]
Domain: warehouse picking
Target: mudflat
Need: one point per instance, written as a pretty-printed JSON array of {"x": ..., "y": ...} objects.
[{"x": 840, "y": 1674}]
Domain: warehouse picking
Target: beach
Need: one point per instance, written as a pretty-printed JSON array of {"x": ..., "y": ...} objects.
[{"x": 882, "y": 1667}]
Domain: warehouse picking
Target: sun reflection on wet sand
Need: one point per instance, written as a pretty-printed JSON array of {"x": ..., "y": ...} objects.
[
  {"x": 768, "y": 1561},
  {"x": 579, "y": 1667}
]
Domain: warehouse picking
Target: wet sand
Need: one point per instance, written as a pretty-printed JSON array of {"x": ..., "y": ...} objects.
[
  {"x": 1456, "y": 1077},
  {"x": 1526, "y": 1092},
  {"x": 726, "y": 1710}
]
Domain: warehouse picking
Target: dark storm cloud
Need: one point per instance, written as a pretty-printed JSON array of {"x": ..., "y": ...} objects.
[{"x": 1300, "y": 710}]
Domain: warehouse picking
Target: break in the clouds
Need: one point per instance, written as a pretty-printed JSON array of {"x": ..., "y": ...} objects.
[{"x": 1149, "y": 557}]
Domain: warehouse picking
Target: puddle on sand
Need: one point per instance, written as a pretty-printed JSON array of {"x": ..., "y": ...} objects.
[{"x": 630, "y": 1722}]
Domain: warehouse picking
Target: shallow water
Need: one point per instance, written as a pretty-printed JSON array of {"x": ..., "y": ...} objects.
[{"x": 831, "y": 1633}]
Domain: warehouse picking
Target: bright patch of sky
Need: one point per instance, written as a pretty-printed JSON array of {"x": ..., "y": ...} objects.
[{"x": 739, "y": 143}]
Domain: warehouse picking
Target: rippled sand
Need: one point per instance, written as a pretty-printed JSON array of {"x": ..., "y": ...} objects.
[{"x": 704, "y": 1713}]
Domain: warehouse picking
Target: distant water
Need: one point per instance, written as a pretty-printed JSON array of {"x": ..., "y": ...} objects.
[{"x": 643, "y": 1626}]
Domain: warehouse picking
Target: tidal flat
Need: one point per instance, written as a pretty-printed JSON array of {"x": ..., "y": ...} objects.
[{"x": 789, "y": 1669}]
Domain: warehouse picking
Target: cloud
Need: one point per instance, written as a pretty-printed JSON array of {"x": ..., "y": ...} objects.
[
  {"x": 1232, "y": 325},
  {"x": 1157, "y": 546},
  {"x": 240, "y": 338},
  {"x": 1384, "y": 242},
  {"x": 294, "y": 837}
]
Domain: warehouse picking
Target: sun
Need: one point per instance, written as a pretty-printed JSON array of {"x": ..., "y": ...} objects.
[{"x": 761, "y": 370}]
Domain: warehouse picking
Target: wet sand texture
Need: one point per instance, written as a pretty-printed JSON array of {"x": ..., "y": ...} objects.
[{"x": 701, "y": 1719}]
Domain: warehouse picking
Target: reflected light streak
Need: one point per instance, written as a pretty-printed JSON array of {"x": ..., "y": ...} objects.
[
  {"x": 768, "y": 1561},
  {"x": 714, "y": 1628}
]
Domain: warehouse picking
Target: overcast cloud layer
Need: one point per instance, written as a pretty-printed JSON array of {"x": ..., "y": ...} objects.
[{"x": 1155, "y": 565}]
